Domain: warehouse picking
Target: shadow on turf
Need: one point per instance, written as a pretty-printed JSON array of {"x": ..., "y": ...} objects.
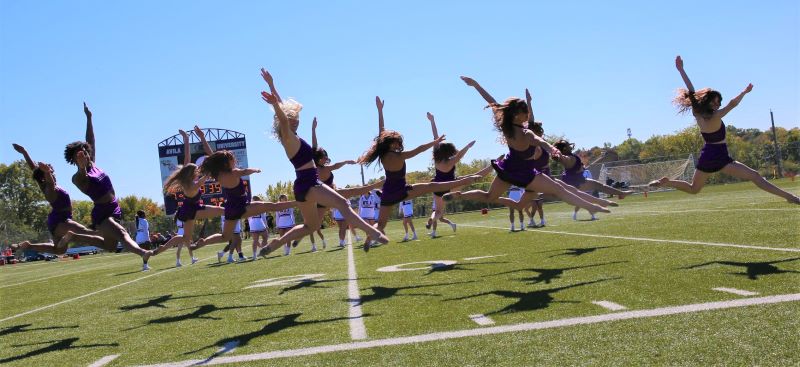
[
  {"x": 547, "y": 275},
  {"x": 201, "y": 312},
  {"x": 309, "y": 283},
  {"x": 752, "y": 269},
  {"x": 437, "y": 268},
  {"x": 528, "y": 301},
  {"x": 381, "y": 293},
  {"x": 160, "y": 300},
  {"x": 281, "y": 323},
  {"x": 22, "y": 328},
  {"x": 575, "y": 252},
  {"x": 54, "y": 346}
]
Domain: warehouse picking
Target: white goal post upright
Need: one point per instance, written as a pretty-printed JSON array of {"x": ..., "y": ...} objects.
[{"x": 638, "y": 175}]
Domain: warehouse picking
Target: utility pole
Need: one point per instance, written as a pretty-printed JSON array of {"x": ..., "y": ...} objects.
[
  {"x": 362, "y": 176},
  {"x": 778, "y": 158}
]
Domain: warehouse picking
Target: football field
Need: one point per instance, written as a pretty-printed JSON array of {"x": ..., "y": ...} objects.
[{"x": 669, "y": 279}]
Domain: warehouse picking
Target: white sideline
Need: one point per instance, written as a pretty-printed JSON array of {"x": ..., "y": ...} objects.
[
  {"x": 357, "y": 329},
  {"x": 735, "y": 291},
  {"x": 585, "y": 320},
  {"x": 57, "y": 275},
  {"x": 783, "y": 249},
  {"x": 610, "y": 305},
  {"x": 92, "y": 293},
  {"x": 25, "y": 268}
]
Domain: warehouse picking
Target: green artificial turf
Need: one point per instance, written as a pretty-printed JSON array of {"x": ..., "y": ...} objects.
[{"x": 174, "y": 314}]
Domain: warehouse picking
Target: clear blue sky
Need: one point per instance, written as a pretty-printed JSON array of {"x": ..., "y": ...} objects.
[{"x": 148, "y": 68}]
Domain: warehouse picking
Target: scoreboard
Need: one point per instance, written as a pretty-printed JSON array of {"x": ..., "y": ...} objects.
[{"x": 171, "y": 155}]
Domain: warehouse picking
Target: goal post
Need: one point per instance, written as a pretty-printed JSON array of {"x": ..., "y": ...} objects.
[{"x": 638, "y": 175}]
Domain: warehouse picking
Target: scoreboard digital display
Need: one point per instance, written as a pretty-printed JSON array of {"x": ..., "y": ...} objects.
[{"x": 171, "y": 156}]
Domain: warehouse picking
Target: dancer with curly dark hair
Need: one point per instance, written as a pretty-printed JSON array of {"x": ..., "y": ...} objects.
[
  {"x": 516, "y": 167},
  {"x": 96, "y": 184}
]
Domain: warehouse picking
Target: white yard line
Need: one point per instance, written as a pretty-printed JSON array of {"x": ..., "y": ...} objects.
[
  {"x": 92, "y": 293},
  {"x": 482, "y": 257},
  {"x": 585, "y": 320},
  {"x": 739, "y": 210},
  {"x": 610, "y": 305},
  {"x": 782, "y": 249},
  {"x": 104, "y": 361},
  {"x": 58, "y": 275},
  {"x": 357, "y": 329},
  {"x": 735, "y": 291},
  {"x": 481, "y": 319}
]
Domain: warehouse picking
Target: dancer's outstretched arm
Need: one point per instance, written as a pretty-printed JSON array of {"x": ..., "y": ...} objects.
[
  {"x": 379, "y": 103},
  {"x": 21, "y": 150},
  {"x": 314, "y": 133},
  {"x": 187, "y": 156},
  {"x": 290, "y": 141},
  {"x": 433, "y": 126},
  {"x": 472, "y": 83},
  {"x": 460, "y": 154},
  {"x": 90, "y": 131},
  {"x": 268, "y": 78},
  {"x": 536, "y": 140},
  {"x": 407, "y": 154},
  {"x": 679, "y": 65},
  {"x": 200, "y": 134},
  {"x": 341, "y": 164},
  {"x": 239, "y": 172},
  {"x": 734, "y": 102},
  {"x": 528, "y": 99}
]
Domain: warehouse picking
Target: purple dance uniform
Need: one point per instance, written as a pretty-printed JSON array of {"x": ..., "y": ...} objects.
[
  {"x": 395, "y": 188},
  {"x": 188, "y": 210},
  {"x": 442, "y": 176},
  {"x": 305, "y": 178},
  {"x": 542, "y": 164},
  {"x": 516, "y": 168},
  {"x": 236, "y": 201},
  {"x": 714, "y": 156},
  {"x": 573, "y": 176},
  {"x": 61, "y": 212},
  {"x": 99, "y": 184}
]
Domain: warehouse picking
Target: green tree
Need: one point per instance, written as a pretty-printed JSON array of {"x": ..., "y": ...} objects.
[
  {"x": 629, "y": 149},
  {"x": 23, "y": 208}
]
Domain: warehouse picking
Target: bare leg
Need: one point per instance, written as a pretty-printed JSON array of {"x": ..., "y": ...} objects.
[
  {"x": 227, "y": 235},
  {"x": 256, "y": 243},
  {"x": 324, "y": 195},
  {"x": 113, "y": 232},
  {"x": 698, "y": 181},
  {"x": 342, "y": 230},
  {"x": 743, "y": 172},
  {"x": 383, "y": 216},
  {"x": 592, "y": 185},
  {"x": 497, "y": 187},
  {"x": 545, "y": 184},
  {"x": 39, "y": 247},
  {"x": 585, "y": 196},
  {"x": 429, "y": 187},
  {"x": 174, "y": 241},
  {"x": 411, "y": 224}
]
